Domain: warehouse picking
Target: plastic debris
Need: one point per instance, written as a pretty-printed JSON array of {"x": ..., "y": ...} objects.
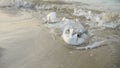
[
  {"x": 72, "y": 38},
  {"x": 51, "y": 17}
]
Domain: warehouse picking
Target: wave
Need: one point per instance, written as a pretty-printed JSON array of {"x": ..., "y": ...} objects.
[{"x": 95, "y": 21}]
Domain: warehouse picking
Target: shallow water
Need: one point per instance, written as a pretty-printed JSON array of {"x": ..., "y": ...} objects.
[
  {"x": 27, "y": 43},
  {"x": 98, "y": 1}
]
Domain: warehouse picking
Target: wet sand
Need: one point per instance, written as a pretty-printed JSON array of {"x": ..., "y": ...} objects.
[{"x": 26, "y": 43}]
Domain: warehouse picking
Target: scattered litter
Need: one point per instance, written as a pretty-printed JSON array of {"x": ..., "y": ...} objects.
[
  {"x": 72, "y": 38},
  {"x": 51, "y": 17}
]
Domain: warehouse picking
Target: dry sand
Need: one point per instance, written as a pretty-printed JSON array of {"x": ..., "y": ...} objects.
[{"x": 26, "y": 43}]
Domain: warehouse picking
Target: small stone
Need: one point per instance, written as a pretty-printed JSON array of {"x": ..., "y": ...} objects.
[
  {"x": 91, "y": 54},
  {"x": 71, "y": 52}
]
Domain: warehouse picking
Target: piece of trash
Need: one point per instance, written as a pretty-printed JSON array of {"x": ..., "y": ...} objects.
[
  {"x": 51, "y": 17},
  {"x": 72, "y": 38}
]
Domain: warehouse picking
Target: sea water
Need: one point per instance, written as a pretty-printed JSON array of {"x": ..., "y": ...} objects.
[
  {"x": 107, "y": 15},
  {"x": 99, "y": 2}
]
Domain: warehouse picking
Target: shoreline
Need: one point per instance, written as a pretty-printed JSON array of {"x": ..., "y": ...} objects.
[{"x": 27, "y": 43}]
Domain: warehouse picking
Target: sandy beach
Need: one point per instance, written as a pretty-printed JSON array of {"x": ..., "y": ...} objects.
[{"x": 26, "y": 43}]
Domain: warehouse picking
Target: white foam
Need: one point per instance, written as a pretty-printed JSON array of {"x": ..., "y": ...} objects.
[
  {"x": 94, "y": 45},
  {"x": 79, "y": 12}
]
